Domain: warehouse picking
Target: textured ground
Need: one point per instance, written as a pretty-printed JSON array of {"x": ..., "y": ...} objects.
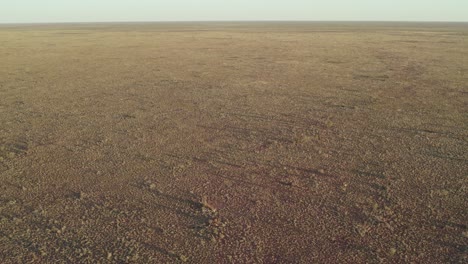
[{"x": 234, "y": 143}]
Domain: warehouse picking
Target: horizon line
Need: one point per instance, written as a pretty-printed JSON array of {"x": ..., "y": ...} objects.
[{"x": 214, "y": 21}]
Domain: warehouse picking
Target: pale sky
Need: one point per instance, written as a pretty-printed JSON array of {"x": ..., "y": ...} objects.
[{"x": 27, "y": 11}]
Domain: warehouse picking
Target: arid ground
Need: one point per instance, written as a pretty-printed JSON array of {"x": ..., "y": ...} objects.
[{"x": 234, "y": 143}]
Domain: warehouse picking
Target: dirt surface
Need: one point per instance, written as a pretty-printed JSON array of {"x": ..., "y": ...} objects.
[{"x": 234, "y": 143}]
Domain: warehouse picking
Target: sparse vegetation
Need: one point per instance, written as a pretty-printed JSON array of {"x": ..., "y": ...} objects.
[{"x": 233, "y": 143}]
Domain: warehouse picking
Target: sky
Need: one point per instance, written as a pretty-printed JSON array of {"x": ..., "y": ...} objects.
[{"x": 44, "y": 11}]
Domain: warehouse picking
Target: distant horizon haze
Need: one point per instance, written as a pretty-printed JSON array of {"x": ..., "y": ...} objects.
[
  {"x": 89, "y": 11},
  {"x": 236, "y": 21}
]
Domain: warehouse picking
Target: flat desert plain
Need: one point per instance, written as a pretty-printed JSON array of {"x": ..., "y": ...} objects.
[{"x": 234, "y": 143}]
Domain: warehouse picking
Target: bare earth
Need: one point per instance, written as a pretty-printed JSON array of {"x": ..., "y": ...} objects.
[{"x": 234, "y": 143}]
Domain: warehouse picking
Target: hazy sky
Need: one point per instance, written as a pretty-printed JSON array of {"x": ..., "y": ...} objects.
[{"x": 15, "y": 11}]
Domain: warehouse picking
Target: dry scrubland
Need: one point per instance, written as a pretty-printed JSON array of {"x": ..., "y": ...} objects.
[{"x": 234, "y": 143}]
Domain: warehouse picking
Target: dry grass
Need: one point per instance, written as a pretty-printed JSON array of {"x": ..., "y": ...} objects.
[{"x": 233, "y": 143}]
